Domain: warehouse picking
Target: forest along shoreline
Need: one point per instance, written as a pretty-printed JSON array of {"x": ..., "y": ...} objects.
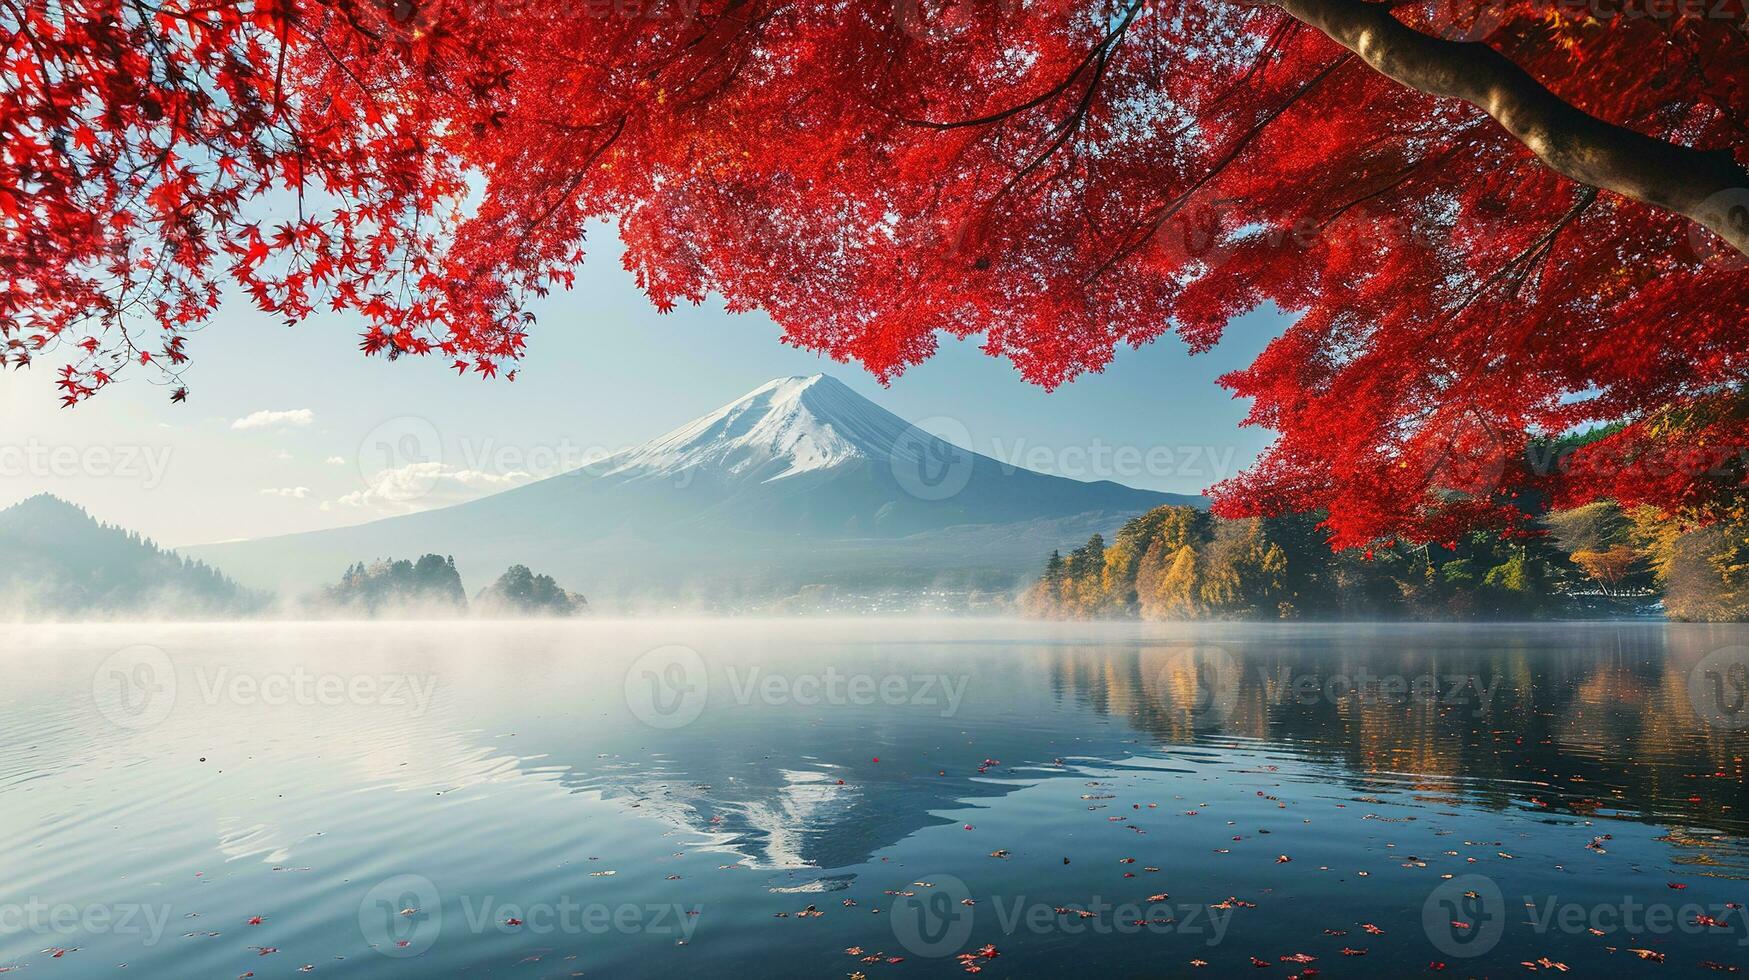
[{"x": 1599, "y": 560}]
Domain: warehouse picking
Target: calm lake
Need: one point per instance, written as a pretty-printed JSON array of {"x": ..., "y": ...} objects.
[{"x": 876, "y": 798}]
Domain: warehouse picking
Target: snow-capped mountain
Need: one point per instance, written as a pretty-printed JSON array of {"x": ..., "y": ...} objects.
[
  {"x": 781, "y": 429},
  {"x": 801, "y": 482}
]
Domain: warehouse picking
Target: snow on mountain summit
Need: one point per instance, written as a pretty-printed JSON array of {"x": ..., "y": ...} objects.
[{"x": 781, "y": 429}]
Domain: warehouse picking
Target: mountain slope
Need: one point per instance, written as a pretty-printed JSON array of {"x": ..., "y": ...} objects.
[
  {"x": 783, "y": 428},
  {"x": 800, "y": 482},
  {"x": 56, "y": 562}
]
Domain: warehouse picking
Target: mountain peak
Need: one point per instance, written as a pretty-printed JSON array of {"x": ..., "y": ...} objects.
[
  {"x": 44, "y": 504},
  {"x": 783, "y": 428},
  {"x": 795, "y": 381}
]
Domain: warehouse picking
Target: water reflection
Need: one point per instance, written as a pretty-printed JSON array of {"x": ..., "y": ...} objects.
[
  {"x": 1555, "y": 720},
  {"x": 856, "y": 758},
  {"x": 1575, "y": 721}
]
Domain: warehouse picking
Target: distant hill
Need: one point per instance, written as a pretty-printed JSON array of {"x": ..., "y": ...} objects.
[
  {"x": 801, "y": 482},
  {"x": 58, "y": 562}
]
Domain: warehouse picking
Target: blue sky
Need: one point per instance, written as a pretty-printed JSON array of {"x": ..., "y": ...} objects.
[{"x": 286, "y": 428}]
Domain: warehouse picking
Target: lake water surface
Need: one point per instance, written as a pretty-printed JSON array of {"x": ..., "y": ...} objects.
[{"x": 884, "y": 798}]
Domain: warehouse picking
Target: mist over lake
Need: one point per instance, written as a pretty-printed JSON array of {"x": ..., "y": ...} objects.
[{"x": 897, "y": 798}]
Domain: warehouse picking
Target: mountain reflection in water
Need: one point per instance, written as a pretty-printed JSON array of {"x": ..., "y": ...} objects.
[{"x": 1324, "y": 775}]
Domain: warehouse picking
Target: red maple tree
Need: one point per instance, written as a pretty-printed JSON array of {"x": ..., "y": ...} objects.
[{"x": 1491, "y": 221}]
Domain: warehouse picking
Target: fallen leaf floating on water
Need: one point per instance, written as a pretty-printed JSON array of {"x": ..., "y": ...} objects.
[{"x": 969, "y": 961}]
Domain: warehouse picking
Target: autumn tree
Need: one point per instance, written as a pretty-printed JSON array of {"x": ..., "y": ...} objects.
[
  {"x": 1164, "y": 530},
  {"x": 1245, "y": 575},
  {"x": 1597, "y": 526},
  {"x": 1486, "y": 217},
  {"x": 1609, "y": 568},
  {"x": 1171, "y": 589},
  {"x": 1703, "y": 571}
]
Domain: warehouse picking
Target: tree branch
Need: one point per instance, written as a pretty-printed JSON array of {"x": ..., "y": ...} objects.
[{"x": 1708, "y": 186}]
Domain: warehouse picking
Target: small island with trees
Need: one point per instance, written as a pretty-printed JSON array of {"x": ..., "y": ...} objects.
[{"x": 431, "y": 587}]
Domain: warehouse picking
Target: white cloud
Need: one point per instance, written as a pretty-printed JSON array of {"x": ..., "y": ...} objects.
[
  {"x": 297, "y": 493},
  {"x": 265, "y": 419},
  {"x": 336, "y": 461},
  {"x": 423, "y": 486}
]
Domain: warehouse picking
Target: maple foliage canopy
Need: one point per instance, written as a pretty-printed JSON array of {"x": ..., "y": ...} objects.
[{"x": 1492, "y": 221}]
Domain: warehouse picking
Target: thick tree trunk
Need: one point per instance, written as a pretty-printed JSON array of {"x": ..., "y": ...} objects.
[{"x": 1707, "y": 186}]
